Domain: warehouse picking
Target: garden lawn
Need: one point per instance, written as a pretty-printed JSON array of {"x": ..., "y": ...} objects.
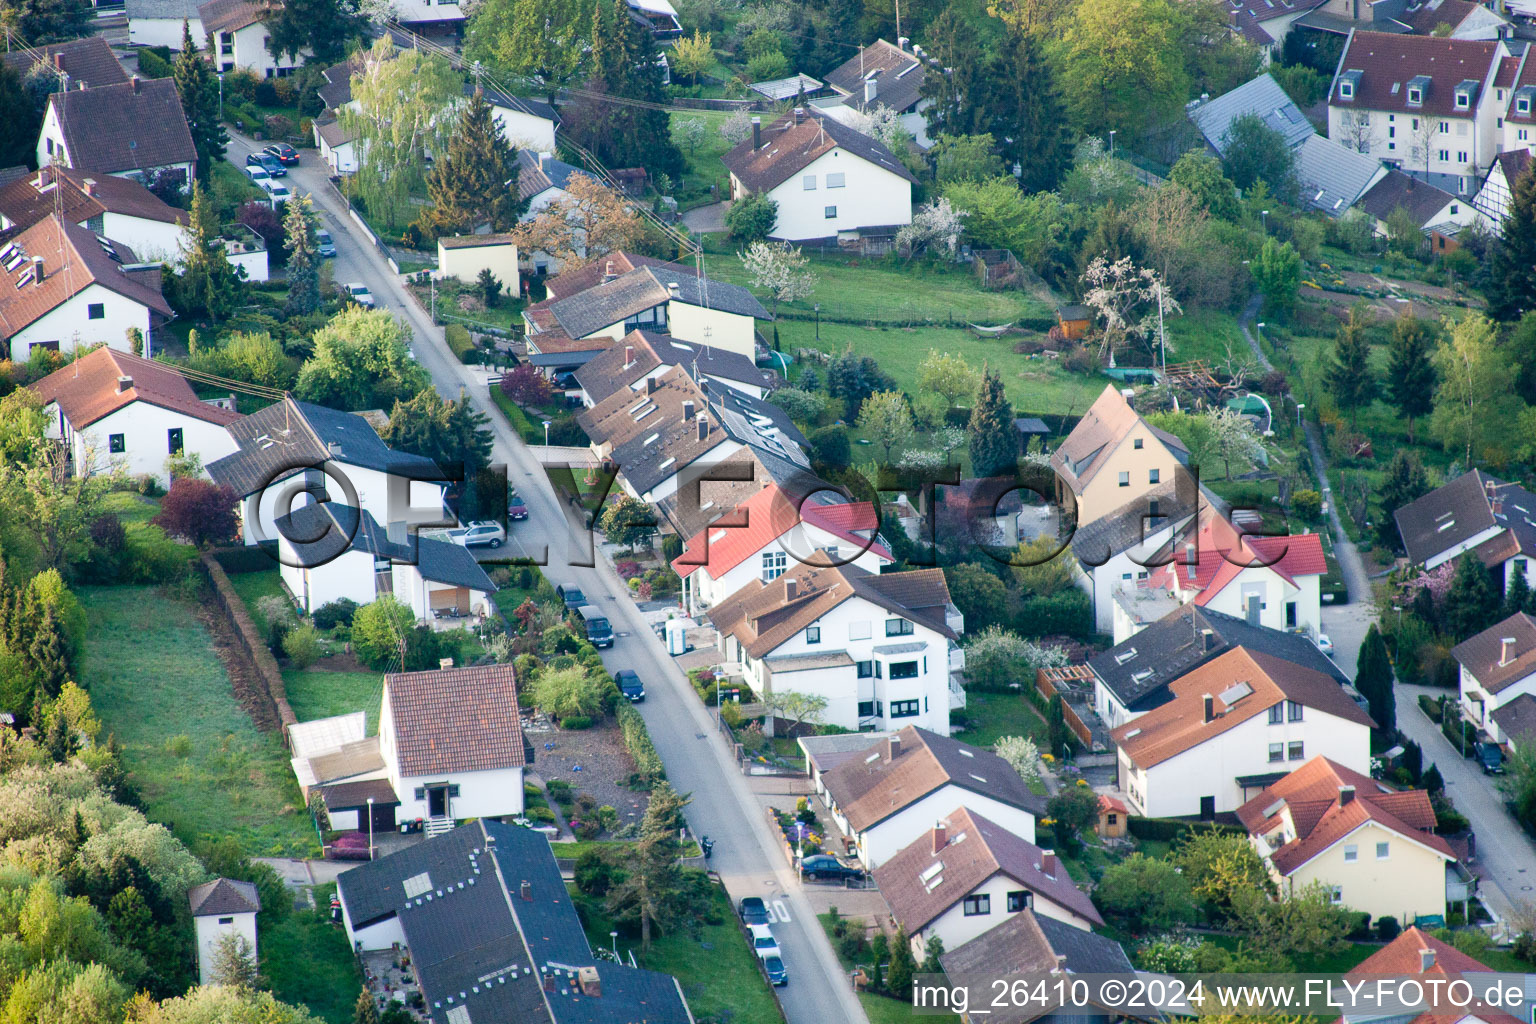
[
  {"x": 316, "y": 693},
  {"x": 308, "y": 962},
  {"x": 880, "y": 1009},
  {"x": 995, "y": 715},
  {"x": 253, "y": 586},
  {"x": 704, "y": 166},
  {"x": 718, "y": 973},
  {"x": 152, "y": 674}
]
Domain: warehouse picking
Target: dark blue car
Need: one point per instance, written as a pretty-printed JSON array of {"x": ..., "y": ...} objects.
[
  {"x": 777, "y": 973},
  {"x": 629, "y": 684}
]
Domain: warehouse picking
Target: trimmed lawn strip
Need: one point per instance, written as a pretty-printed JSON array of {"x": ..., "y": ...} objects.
[
  {"x": 308, "y": 963},
  {"x": 880, "y": 1009},
  {"x": 318, "y": 693},
  {"x": 253, "y": 586},
  {"x": 152, "y": 674},
  {"x": 574, "y": 850}
]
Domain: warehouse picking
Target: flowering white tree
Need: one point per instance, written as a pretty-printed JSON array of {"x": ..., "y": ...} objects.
[
  {"x": 780, "y": 268},
  {"x": 737, "y": 127},
  {"x": 950, "y": 440},
  {"x": 921, "y": 459},
  {"x": 881, "y": 123},
  {"x": 1233, "y": 438},
  {"x": 936, "y": 225},
  {"x": 1021, "y": 754},
  {"x": 996, "y": 658},
  {"x": 1126, "y": 299}
]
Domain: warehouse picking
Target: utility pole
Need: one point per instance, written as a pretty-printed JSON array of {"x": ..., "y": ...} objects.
[{"x": 1162, "y": 339}]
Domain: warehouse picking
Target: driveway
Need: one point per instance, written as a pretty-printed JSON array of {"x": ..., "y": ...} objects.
[
  {"x": 707, "y": 219},
  {"x": 695, "y": 755}
]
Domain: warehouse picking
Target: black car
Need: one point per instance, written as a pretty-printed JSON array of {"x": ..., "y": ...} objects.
[
  {"x": 283, "y": 152},
  {"x": 629, "y": 684},
  {"x": 271, "y": 164},
  {"x": 572, "y": 596},
  {"x": 823, "y": 865},
  {"x": 753, "y": 911},
  {"x": 1491, "y": 757}
]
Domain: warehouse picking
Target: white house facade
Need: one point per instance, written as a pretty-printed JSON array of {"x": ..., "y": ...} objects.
[
  {"x": 1497, "y": 668},
  {"x": 222, "y": 908}
]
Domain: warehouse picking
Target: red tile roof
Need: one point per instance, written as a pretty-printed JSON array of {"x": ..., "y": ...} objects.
[
  {"x": 1505, "y": 77},
  {"x": 73, "y": 259},
  {"x": 763, "y": 518},
  {"x": 1387, "y": 61},
  {"x": 87, "y": 389},
  {"x": 1404, "y": 956},
  {"x": 80, "y": 196},
  {"x": 456, "y": 720},
  {"x": 88, "y": 61},
  {"x": 1222, "y": 553}
]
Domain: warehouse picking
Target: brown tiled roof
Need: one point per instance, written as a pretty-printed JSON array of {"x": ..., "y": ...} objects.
[
  {"x": 230, "y": 15},
  {"x": 87, "y": 389},
  {"x": 1526, "y": 79},
  {"x": 1404, "y": 956},
  {"x": 456, "y": 720},
  {"x": 1504, "y": 78},
  {"x": 789, "y": 147},
  {"x": 1513, "y": 163},
  {"x": 1445, "y": 12},
  {"x": 223, "y": 896},
  {"x": 27, "y": 201},
  {"x": 974, "y": 849},
  {"x": 873, "y": 786},
  {"x": 73, "y": 259},
  {"x": 1105, "y": 423},
  {"x": 88, "y": 60},
  {"x": 1030, "y": 943},
  {"x": 1388, "y": 61},
  {"x": 1311, "y": 794},
  {"x": 898, "y": 76},
  {"x": 128, "y": 127},
  {"x": 590, "y": 275},
  {"x": 1396, "y": 190},
  {"x": 1481, "y": 654},
  {"x": 1178, "y": 726}
]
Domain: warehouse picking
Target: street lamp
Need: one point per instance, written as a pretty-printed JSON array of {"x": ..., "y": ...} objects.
[
  {"x": 1265, "y": 215},
  {"x": 1112, "y": 142},
  {"x": 615, "y": 937},
  {"x": 370, "y": 828},
  {"x": 546, "y": 435},
  {"x": 1299, "y": 406},
  {"x": 221, "y": 95},
  {"x": 818, "y": 321}
]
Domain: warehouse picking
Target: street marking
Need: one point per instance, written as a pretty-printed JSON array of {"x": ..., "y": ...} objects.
[{"x": 778, "y": 911}]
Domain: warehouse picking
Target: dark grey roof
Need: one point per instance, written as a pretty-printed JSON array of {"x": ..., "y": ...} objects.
[
  {"x": 288, "y": 436},
  {"x": 1262, "y": 98},
  {"x": 525, "y": 104},
  {"x": 1097, "y": 542},
  {"x": 88, "y": 60},
  {"x": 321, "y": 531},
  {"x": 1446, "y": 517},
  {"x": 1031, "y": 425},
  {"x": 127, "y": 127},
  {"x": 346, "y": 796},
  {"x": 562, "y": 359},
  {"x": 1176, "y": 644},
  {"x": 897, "y": 74},
  {"x": 1395, "y": 190},
  {"x": 642, "y": 288},
  {"x": 537, "y": 172},
  {"x": 1518, "y": 719},
  {"x": 1332, "y": 177},
  {"x": 223, "y": 896},
  {"x": 1031, "y": 943},
  {"x": 172, "y": 9},
  {"x": 337, "y": 92},
  {"x": 607, "y": 373}
]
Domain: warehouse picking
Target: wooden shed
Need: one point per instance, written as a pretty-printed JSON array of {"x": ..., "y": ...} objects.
[
  {"x": 1075, "y": 321},
  {"x": 1112, "y": 817}
]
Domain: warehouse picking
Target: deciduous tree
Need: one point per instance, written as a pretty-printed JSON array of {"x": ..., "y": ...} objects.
[
  {"x": 1474, "y": 407},
  {"x": 752, "y": 218},
  {"x": 1123, "y": 64},
  {"x": 628, "y": 522},
  {"x": 589, "y": 222},
  {"x": 361, "y": 362},
  {"x": 1202, "y": 175},
  {"x": 538, "y": 40},
  {"x": 324, "y": 27},
  {"x": 693, "y": 55},
  {"x": 887, "y": 418},
  {"x": 1255, "y": 152},
  {"x": 200, "y": 510},
  {"x": 1145, "y": 895},
  {"x": 948, "y": 374},
  {"x": 936, "y": 227},
  {"x": 780, "y": 268},
  {"x": 1278, "y": 275}
]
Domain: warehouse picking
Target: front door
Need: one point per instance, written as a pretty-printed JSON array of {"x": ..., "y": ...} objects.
[
  {"x": 1207, "y": 808},
  {"x": 437, "y": 802}
]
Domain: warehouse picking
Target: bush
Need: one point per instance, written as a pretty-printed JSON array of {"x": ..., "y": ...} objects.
[
  {"x": 457, "y": 336},
  {"x": 377, "y": 629},
  {"x": 576, "y": 722},
  {"x": 199, "y": 510},
  {"x": 830, "y": 447},
  {"x": 266, "y": 92},
  {"x": 302, "y": 645},
  {"x": 147, "y": 485},
  {"x": 541, "y": 814},
  {"x": 152, "y": 64},
  {"x": 637, "y": 740},
  {"x": 752, "y": 219},
  {"x": 335, "y": 613},
  {"x": 1307, "y": 506},
  {"x": 1387, "y": 928}
]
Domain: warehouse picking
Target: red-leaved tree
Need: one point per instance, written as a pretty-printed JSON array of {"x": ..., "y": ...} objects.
[
  {"x": 200, "y": 510},
  {"x": 525, "y": 385}
]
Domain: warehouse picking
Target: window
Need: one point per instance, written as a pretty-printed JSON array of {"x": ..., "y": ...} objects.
[
  {"x": 1290, "y": 613},
  {"x": 1461, "y": 156},
  {"x": 1276, "y": 753},
  {"x": 116, "y": 444},
  {"x": 869, "y": 708},
  {"x": 1020, "y": 899},
  {"x": 1276, "y": 715},
  {"x": 50, "y": 145},
  {"x": 173, "y": 443},
  {"x": 1523, "y": 134},
  {"x": 1137, "y": 444},
  {"x": 1112, "y": 818},
  {"x": 1415, "y": 124},
  {"x": 835, "y": 180},
  {"x": 226, "y": 920},
  {"x": 898, "y": 627},
  {"x": 1346, "y": 90},
  {"x": 1523, "y": 105},
  {"x": 903, "y": 669},
  {"x": 809, "y": 182},
  {"x": 1445, "y": 127},
  {"x": 975, "y": 906},
  {"x": 1454, "y": 209},
  {"x": 813, "y": 634},
  {"x": 1351, "y": 852},
  {"x": 1125, "y": 479},
  {"x": 1336, "y": 895},
  {"x": 774, "y": 564},
  {"x": 1415, "y": 95},
  {"x": 1382, "y": 849},
  {"x": 1463, "y": 100},
  {"x": 1445, "y": 154},
  {"x": 905, "y": 709},
  {"x": 830, "y": 213},
  {"x": 859, "y": 630},
  {"x": 1391, "y": 132},
  {"x": 1154, "y": 476},
  {"x": 96, "y": 311},
  {"x": 864, "y": 669},
  {"x": 1296, "y": 751},
  {"x": 1293, "y": 711}
]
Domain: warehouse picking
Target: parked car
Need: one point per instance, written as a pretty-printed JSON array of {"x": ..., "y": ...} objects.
[
  {"x": 572, "y": 596},
  {"x": 823, "y": 865},
  {"x": 324, "y": 244},
  {"x": 282, "y": 153},
  {"x": 278, "y": 193},
  {"x": 480, "y": 532},
  {"x": 517, "y": 508},
  {"x": 1324, "y": 644},
  {"x": 777, "y": 973},
  {"x": 599, "y": 630},
  {"x": 257, "y": 174},
  {"x": 629, "y": 684},
  {"x": 1491, "y": 757},
  {"x": 271, "y": 164},
  {"x": 359, "y": 294},
  {"x": 763, "y": 942},
  {"x": 753, "y": 910}
]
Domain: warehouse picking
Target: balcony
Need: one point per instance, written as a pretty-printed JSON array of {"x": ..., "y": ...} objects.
[
  {"x": 1460, "y": 884},
  {"x": 956, "y": 657},
  {"x": 953, "y": 619},
  {"x": 956, "y": 693}
]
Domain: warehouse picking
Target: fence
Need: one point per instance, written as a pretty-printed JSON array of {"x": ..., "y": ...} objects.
[
  {"x": 1053, "y": 681},
  {"x": 357, "y": 218},
  {"x": 997, "y": 269},
  {"x": 263, "y": 664}
]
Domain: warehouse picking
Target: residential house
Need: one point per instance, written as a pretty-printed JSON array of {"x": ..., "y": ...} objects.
[
  {"x": 1133, "y": 677},
  {"x": 829, "y": 181},
  {"x": 1266, "y": 23},
  {"x": 337, "y": 146},
  {"x": 763, "y": 536},
  {"x": 338, "y": 759},
  {"x": 219, "y": 908},
  {"x": 238, "y": 35},
  {"x": 133, "y": 130},
  {"x": 444, "y": 17},
  {"x": 541, "y": 181},
  {"x": 886, "y": 75},
  {"x": 966, "y": 875},
  {"x": 465, "y": 256},
  {"x": 1418, "y": 957},
  {"x": 118, "y": 208},
  {"x": 330, "y": 551},
  {"x": 293, "y": 449},
  {"x": 1372, "y": 847},
  {"x": 526, "y": 123},
  {"x": 1498, "y": 668},
  {"x": 71, "y": 288},
  {"x": 1032, "y": 944},
  {"x": 708, "y": 493},
  {"x": 1497, "y": 195},
  {"x": 1260, "y": 97},
  {"x": 657, "y": 17},
  {"x": 1230, "y": 730},
  {"x": 112, "y": 408},
  {"x": 1333, "y": 176},
  {"x": 1431, "y": 208},
  {"x": 654, "y": 296},
  {"x": 647, "y": 354},
  {"x": 1425, "y": 104},
  {"x": 1475, "y": 512},
  {"x": 1516, "y": 721},
  {"x": 889, "y": 796},
  {"x": 1113, "y": 456},
  {"x": 158, "y": 22},
  {"x": 1453, "y": 19},
  {"x": 500, "y": 939},
  {"x": 824, "y": 753},
  {"x": 881, "y": 649},
  {"x": 1517, "y": 75},
  {"x": 1460, "y": 19},
  {"x": 84, "y": 63}
]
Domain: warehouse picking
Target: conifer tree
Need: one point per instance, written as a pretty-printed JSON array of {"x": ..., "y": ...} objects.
[
  {"x": 209, "y": 284},
  {"x": 475, "y": 181},
  {"x": 46, "y": 654},
  {"x": 1349, "y": 377},
  {"x": 1519, "y": 597},
  {"x": 994, "y": 445},
  {"x": 1405, "y": 482},
  {"x": 199, "y": 93},
  {"x": 1030, "y": 109},
  {"x": 1411, "y": 368},
  {"x": 1373, "y": 678},
  {"x": 303, "y": 256},
  {"x": 1511, "y": 281},
  {"x": 1471, "y": 601}
]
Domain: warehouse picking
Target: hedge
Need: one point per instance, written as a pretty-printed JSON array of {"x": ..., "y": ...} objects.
[
  {"x": 1169, "y": 829},
  {"x": 251, "y": 558},
  {"x": 459, "y": 341},
  {"x": 1430, "y": 707},
  {"x": 153, "y": 65},
  {"x": 637, "y": 740}
]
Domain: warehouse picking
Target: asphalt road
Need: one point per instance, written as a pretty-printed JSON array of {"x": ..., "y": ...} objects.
[{"x": 697, "y": 760}]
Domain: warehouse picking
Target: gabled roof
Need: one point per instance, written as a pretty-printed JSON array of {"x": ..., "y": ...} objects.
[
  {"x": 1262, "y": 98},
  {"x": 765, "y": 517},
  {"x": 73, "y": 260},
  {"x": 170, "y": 10},
  {"x": 611, "y": 302},
  {"x": 870, "y": 788},
  {"x": 456, "y": 720},
  {"x": 1031, "y": 943},
  {"x": 1431, "y": 15},
  {"x": 1387, "y": 61},
  {"x": 88, "y": 389},
  {"x": 642, "y": 352},
  {"x": 1095, "y": 543},
  {"x": 1333, "y": 177},
  {"x": 789, "y": 146},
  {"x": 539, "y": 171},
  {"x": 1405, "y": 955},
  {"x": 762, "y": 616},
  {"x": 1222, "y": 553},
  {"x": 1396, "y": 190},
  {"x": 1110, "y": 418},
  {"x": 230, "y": 15},
  {"x": 1242, "y": 685},
  {"x": 971, "y": 850},
  {"x": 1321, "y": 817},
  {"x": 700, "y": 501},
  {"x": 1517, "y": 719},
  {"x": 322, "y": 531},
  {"x": 337, "y": 92},
  {"x": 116, "y": 128},
  {"x": 589, "y": 275},
  {"x": 222, "y": 897},
  {"x": 88, "y": 61},
  {"x": 1453, "y": 513},
  {"x": 897, "y": 74},
  {"x": 291, "y": 435},
  {"x": 522, "y": 104},
  {"x": 1484, "y": 656},
  {"x": 80, "y": 196}
]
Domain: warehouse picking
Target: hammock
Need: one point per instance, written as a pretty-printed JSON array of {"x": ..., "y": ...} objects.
[{"x": 989, "y": 332}]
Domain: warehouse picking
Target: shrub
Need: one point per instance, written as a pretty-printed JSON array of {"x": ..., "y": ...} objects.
[
  {"x": 199, "y": 510},
  {"x": 378, "y": 628},
  {"x": 637, "y": 740},
  {"x": 830, "y": 446},
  {"x": 543, "y": 814},
  {"x": 1307, "y": 505},
  {"x": 459, "y": 343},
  {"x": 266, "y": 92},
  {"x": 1387, "y": 928},
  {"x": 152, "y": 64},
  {"x": 147, "y": 485},
  {"x": 576, "y": 722},
  {"x": 302, "y": 645},
  {"x": 752, "y": 219},
  {"x": 335, "y": 613}
]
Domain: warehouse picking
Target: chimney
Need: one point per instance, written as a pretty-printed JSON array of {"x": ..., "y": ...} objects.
[
  {"x": 940, "y": 837},
  {"x": 1048, "y": 863},
  {"x": 892, "y": 747},
  {"x": 651, "y": 384},
  {"x": 334, "y": 447},
  {"x": 124, "y": 383},
  {"x": 1190, "y": 560},
  {"x": 543, "y": 160},
  {"x": 1346, "y": 795},
  {"x": 799, "y": 115},
  {"x": 791, "y": 588},
  {"x": 591, "y": 984},
  {"x": 137, "y": 84},
  {"x": 1426, "y": 960},
  {"x": 1129, "y": 394},
  {"x": 757, "y": 133},
  {"x": 90, "y": 186},
  {"x": 1209, "y": 636},
  {"x": 703, "y": 421},
  {"x": 1506, "y": 651},
  {"x": 37, "y": 270},
  {"x": 687, "y": 410},
  {"x": 672, "y": 289},
  {"x": 526, "y": 891},
  {"x": 1205, "y": 97},
  {"x": 608, "y": 274},
  {"x": 904, "y": 42},
  {"x": 870, "y": 90},
  {"x": 1209, "y": 704},
  {"x": 629, "y": 356},
  {"x": 549, "y": 980}
]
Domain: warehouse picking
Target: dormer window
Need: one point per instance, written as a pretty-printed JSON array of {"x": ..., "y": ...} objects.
[
  {"x": 1463, "y": 101},
  {"x": 1346, "y": 89},
  {"x": 1523, "y": 105},
  {"x": 1418, "y": 86},
  {"x": 1415, "y": 95}
]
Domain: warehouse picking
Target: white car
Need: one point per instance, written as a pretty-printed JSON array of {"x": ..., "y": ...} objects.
[
  {"x": 279, "y": 192},
  {"x": 258, "y": 175},
  {"x": 763, "y": 942},
  {"x": 486, "y": 532},
  {"x": 359, "y": 294},
  {"x": 1324, "y": 644}
]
